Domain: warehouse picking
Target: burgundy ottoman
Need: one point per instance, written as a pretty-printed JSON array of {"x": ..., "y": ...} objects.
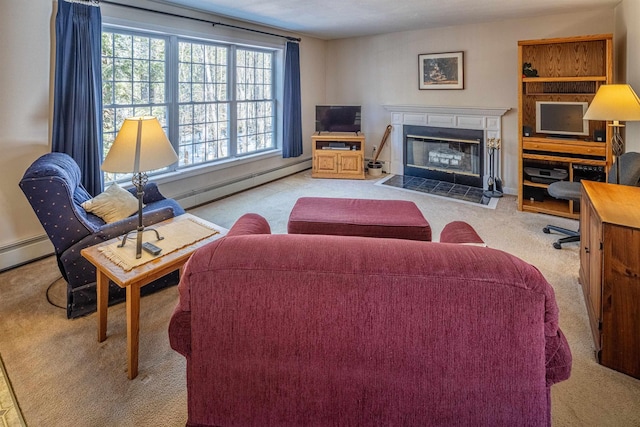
[{"x": 397, "y": 219}]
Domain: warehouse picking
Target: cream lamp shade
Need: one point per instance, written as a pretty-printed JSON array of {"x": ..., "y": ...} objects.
[
  {"x": 617, "y": 103},
  {"x": 141, "y": 146}
]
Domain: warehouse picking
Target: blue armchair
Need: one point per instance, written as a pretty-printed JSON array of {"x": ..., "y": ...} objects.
[{"x": 52, "y": 186}]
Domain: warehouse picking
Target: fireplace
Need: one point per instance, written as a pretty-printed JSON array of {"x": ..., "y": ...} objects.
[
  {"x": 484, "y": 122},
  {"x": 444, "y": 154}
]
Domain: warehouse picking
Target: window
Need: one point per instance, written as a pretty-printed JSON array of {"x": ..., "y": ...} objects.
[
  {"x": 203, "y": 78},
  {"x": 215, "y": 100},
  {"x": 133, "y": 83},
  {"x": 255, "y": 107}
]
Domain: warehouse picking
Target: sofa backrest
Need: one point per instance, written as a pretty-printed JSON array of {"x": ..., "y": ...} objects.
[
  {"x": 333, "y": 330},
  {"x": 52, "y": 186}
]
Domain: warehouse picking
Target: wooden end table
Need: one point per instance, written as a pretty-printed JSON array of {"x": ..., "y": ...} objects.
[{"x": 135, "y": 279}]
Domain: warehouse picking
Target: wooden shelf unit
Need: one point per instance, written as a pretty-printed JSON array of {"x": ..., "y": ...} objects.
[
  {"x": 569, "y": 69},
  {"x": 331, "y": 162}
]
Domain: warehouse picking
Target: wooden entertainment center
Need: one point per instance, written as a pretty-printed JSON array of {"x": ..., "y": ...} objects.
[
  {"x": 568, "y": 70},
  {"x": 338, "y": 155}
]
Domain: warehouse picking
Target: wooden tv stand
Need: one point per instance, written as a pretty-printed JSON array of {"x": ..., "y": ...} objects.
[{"x": 338, "y": 155}]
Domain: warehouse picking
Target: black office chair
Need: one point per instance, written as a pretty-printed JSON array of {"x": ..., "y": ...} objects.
[{"x": 629, "y": 164}]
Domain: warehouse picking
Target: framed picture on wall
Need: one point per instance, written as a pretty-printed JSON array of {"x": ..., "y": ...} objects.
[{"x": 441, "y": 70}]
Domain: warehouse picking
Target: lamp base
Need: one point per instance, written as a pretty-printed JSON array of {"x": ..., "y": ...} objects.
[
  {"x": 138, "y": 233},
  {"x": 139, "y": 180}
]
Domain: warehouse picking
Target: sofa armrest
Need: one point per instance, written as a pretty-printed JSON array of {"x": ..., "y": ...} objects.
[
  {"x": 250, "y": 223},
  {"x": 151, "y": 193},
  {"x": 460, "y": 232},
  {"x": 557, "y": 359},
  {"x": 180, "y": 331},
  {"x": 180, "y": 324}
]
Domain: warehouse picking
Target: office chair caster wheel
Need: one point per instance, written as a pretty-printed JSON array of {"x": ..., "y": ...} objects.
[
  {"x": 557, "y": 245},
  {"x": 546, "y": 230}
]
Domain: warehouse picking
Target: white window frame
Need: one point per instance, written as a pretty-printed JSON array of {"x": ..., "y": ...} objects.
[{"x": 173, "y": 35}]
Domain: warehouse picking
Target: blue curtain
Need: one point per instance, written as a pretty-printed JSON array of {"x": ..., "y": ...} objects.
[
  {"x": 77, "y": 104},
  {"x": 292, "y": 135}
]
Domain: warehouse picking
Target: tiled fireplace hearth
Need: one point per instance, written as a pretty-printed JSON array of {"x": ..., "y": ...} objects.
[{"x": 443, "y": 143}]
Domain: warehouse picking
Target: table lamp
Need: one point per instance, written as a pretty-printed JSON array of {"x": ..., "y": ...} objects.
[
  {"x": 615, "y": 103},
  {"x": 140, "y": 146}
]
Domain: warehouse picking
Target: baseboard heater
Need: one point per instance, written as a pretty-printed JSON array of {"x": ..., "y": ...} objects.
[{"x": 223, "y": 189}]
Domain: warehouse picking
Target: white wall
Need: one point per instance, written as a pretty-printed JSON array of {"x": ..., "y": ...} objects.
[
  {"x": 27, "y": 31},
  {"x": 378, "y": 70},
  {"x": 626, "y": 41}
]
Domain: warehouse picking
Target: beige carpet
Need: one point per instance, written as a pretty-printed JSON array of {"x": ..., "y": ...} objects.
[
  {"x": 62, "y": 376},
  {"x": 10, "y": 414}
]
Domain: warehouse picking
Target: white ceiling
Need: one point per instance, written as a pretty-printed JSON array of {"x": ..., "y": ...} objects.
[{"x": 334, "y": 19}]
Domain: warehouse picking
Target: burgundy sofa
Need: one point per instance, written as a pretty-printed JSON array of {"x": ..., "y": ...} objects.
[{"x": 315, "y": 330}]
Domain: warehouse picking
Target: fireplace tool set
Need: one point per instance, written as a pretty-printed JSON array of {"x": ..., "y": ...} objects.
[{"x": 494, "y": 183}]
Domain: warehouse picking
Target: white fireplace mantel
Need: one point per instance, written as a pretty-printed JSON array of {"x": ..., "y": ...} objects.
[
  {"x": 469, "y": 111},
  {"x": 487, "y": 119}
]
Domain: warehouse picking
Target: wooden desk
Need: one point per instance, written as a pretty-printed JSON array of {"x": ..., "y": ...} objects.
[
  {"x": 610, "y": 272},
  {"x": 135, "y": 279}
]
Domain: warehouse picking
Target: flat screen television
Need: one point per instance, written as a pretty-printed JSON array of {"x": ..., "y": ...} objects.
[
  {"x": 338, "y": 118},
  {"x": 562, "y": 118}
]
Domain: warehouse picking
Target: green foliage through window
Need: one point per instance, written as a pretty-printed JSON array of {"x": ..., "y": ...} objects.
[{"x": 214, "y": 100}]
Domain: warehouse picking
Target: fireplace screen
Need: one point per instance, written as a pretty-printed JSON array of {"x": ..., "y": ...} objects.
[
  {"x": 447, "y": 155},
  {"x": 444, "y": 154}
]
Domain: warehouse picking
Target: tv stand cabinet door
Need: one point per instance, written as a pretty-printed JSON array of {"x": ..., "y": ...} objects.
[
  {"x": 325, "y": 162},
  {"x": 351, "y": 163}
]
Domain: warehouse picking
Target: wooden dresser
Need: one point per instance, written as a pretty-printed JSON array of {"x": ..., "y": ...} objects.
[{"x": 610, "y": 272}]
